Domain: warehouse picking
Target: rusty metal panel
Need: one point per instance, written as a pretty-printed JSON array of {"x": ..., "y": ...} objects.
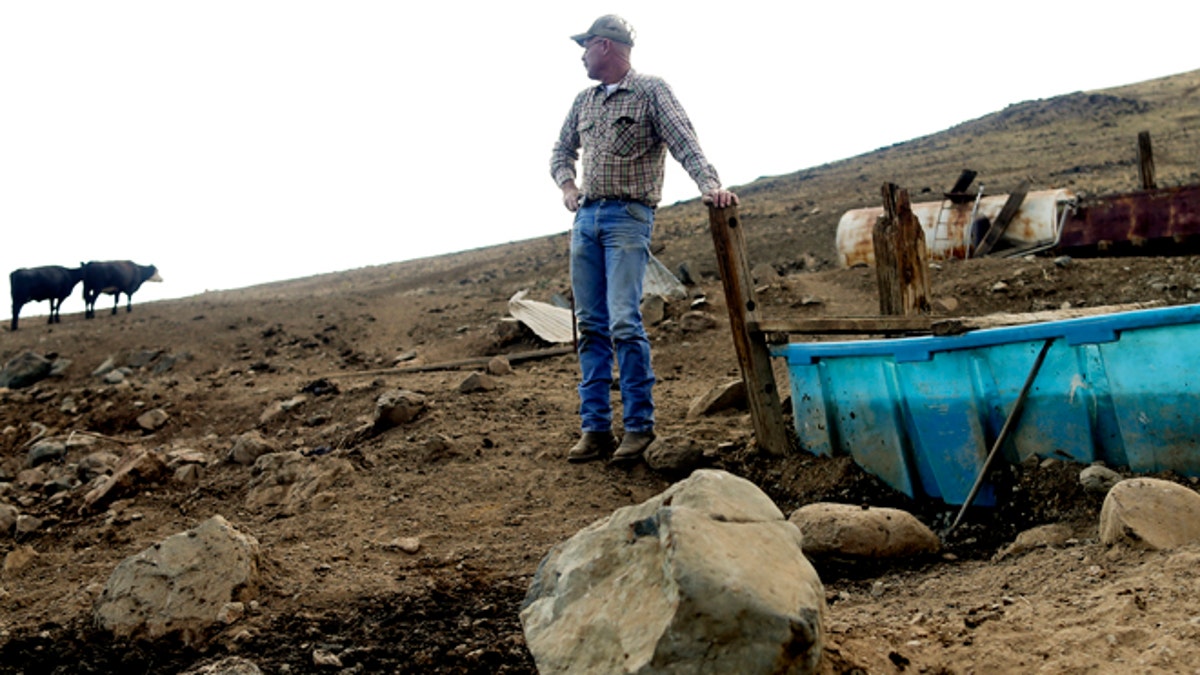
[
  {"x": 1134, "y": 222},
  {"x": 948, "y": 225}
]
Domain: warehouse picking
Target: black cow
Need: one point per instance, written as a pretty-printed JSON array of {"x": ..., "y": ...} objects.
[
  {"x": 53, "y": 283},
  {"x": 114, "y": 277}
]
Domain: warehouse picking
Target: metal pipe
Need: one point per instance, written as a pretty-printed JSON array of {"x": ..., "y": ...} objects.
[{"x": 1009, "y": 423}]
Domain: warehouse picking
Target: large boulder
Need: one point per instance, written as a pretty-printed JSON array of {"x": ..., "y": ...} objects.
[
  {"x": 179, "y": 586},
  {"x": 1150, "y": 513},
  {"x": 706, "y": 577}
]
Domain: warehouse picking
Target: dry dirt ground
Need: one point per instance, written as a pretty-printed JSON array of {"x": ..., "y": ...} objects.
[{"x": 481, "y": 479}]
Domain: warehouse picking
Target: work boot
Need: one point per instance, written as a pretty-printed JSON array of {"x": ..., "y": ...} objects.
[
  {"x": 633, "y": 444},
  {"x": 593, "y": 445}
]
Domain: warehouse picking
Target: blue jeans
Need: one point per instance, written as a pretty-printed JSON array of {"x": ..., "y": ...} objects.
[{"x": 610, "y": 248}]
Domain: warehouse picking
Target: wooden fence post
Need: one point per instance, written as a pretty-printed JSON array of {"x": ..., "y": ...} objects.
[
  {"x": 1146, "y": 161},
  {"x": 900, "y": 258},
  {"x": 754, "y": 357}
]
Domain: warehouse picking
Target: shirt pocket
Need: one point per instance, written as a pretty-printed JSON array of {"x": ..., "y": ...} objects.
[
  {"x": 586, "y": 128},
  {"x": 629, "y": 134}
]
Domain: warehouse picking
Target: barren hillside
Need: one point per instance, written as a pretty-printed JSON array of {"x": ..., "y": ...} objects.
[{"x": 479, "y": 479}]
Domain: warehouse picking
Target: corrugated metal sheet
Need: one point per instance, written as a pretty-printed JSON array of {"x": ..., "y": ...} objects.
[
  {"x": 552, "y": 324},
  {"x": 948, "y": 225}
]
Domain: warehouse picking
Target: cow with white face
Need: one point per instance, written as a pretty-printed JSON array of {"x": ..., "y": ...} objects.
[{"x": 114, "y": 277}]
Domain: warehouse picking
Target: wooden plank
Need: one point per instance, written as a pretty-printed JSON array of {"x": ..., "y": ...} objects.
[
  {"x": 766, "y": 411},
  {"x": 918, "y": 325},
  {"x": 1001, "y": 223},
  {"x": 846, "y": 325},
  {"x": 1146, "y": 161},
  {"x": 959, "y": 325},
  {"x": 958, "y": 193}
]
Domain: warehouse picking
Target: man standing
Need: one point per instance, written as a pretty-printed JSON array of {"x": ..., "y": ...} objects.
[{"x": 624, "y": 125}]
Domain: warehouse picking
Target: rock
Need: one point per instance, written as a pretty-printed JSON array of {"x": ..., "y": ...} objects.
[
  {"x": 728, "y": 396},
  {"x": 409, "y": 545},
  {"x": 59, "y": 366},
  {"x": 764, "y": 273},
  {"x": 438, "y": 447},
  {"x": 695, "y": 322},
  {"x": 404, "y": 357},
  {"x": 293, "y": 482},
  {"x": 142, "y": 358},
  {"x": 8, "y": 519},
  {"x": 230, "y": 665},
  {"x": 153, "y": 420},
  {"x": 675, "y": 455},
  {"x": 45, "y": 451},
  {"x": 654, "y": 309},
  {"x": 188, "y": 474},
  {"x": 684, "y": 274},
  {"x": 58, "y": 486},
  {"x": 476, "y": 382},
  {"x": 115, "y": 376},
  {"x": 248, "y": 447},
  {"x": 180, "y": 585},
  {"x": 1098, "y": 479},
  {"x": 947, "y": 304},
  {"x": 1150, "y": 513},
  {"x": 129, "y": 478},
  {"x": 182, "y": 456},
  {"x": 19, "y": 559},
  {"x": 499, "y": 366},
  {"x": 30, "y": 478},
  {"x": 1044, "y": 536},
  {"x": 397, "y": 407},
  {"x": 326, "y": 659},
  {"x": 705, "y": 577},
  {"x": 27, "y": 524},
  {"x": 168, "y": 362},
  {"x": 999, "y": 287},
  {"x": 232, "y": 612},
  {"x": 847, "y": 530},
  {"x": 24, "y": 370},
  {"x": 96, "y": 464}
]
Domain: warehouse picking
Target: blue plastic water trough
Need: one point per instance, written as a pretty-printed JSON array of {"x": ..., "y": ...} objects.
[{"x": 921, "y": 413}]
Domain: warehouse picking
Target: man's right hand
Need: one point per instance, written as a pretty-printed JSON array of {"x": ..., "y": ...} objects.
[{"x": 570, "y": 196}]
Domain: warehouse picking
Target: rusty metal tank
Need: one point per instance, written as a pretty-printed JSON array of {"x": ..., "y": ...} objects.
[{"x": 952, "y": 229}]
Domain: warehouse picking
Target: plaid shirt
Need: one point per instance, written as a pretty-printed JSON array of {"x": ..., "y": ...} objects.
[{"x": 625, "y": 136}]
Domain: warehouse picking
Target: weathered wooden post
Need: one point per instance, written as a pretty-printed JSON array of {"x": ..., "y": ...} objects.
[
  {"x": 900, "y": 258},
  {"x": 1146, "y": 161},
  {"x": 766, "y": 411}
]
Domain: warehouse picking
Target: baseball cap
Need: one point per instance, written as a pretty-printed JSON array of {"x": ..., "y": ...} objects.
[{"x": 608, "y": 26}]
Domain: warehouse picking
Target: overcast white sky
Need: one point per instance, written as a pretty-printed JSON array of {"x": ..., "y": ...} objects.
[{"x": 236, "y": 142}]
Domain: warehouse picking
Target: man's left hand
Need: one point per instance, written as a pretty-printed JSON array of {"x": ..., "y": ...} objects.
[{"x": 720, "y": 198}]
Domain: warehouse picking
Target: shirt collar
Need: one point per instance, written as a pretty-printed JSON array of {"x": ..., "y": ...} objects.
[{"x": 623, "y": 83}]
